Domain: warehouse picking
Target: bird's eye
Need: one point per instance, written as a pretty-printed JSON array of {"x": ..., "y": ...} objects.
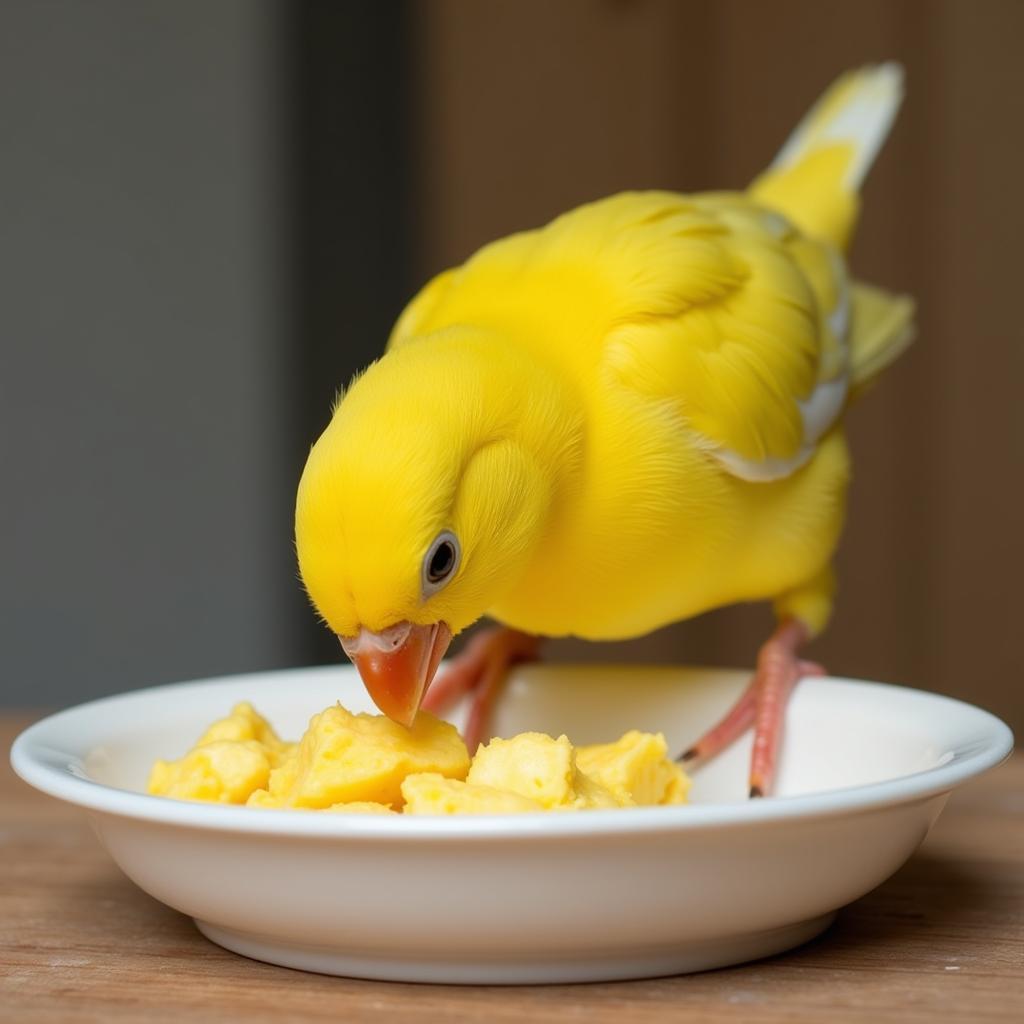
[{"x": 440, "y": 563}]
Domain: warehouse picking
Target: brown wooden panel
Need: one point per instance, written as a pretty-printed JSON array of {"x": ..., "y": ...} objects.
[
  {"x": 526, "y": 108},
  {"x": 530, "y": 108},
  {"x": 977, "y": 425}
]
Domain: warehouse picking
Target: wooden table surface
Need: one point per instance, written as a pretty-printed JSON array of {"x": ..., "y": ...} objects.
[{"x": 941, "y": 941}]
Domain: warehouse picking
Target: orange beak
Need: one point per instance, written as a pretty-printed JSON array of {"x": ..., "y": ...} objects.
[{"x": 397, "y": 664}]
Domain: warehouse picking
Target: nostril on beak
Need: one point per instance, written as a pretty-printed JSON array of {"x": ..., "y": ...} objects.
[{"x": 387, "y": 640}]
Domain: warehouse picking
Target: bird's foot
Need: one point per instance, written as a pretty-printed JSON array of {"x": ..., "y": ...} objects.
[
  {"x": 480, "y": 669},
  {"x": 763, "y": 706}
]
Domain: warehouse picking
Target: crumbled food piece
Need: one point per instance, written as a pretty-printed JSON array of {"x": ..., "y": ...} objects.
[
  {"x": 430, "y": 793},
  {"x": 223, "y": 771},
  {"x": 540, "y": 768},
  {"x": 591, "y": 795},
  {"x": 531, "y": 764},
  {"x": 367, "y": 764},
  {"x": 345, "y": 758},
  {"x": 246, "y": 723},
  {"x": 636, "y": 768}
]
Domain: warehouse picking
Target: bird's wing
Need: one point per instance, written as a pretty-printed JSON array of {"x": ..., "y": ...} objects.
[
  {"x": 740, "y": 321},
  {"x": 712, "y": 304}
]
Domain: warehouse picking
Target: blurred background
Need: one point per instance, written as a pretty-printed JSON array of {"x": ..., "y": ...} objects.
[{"x": 212, "y": 214}]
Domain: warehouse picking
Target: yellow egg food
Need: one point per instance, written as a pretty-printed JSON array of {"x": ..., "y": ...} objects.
[
  {"x": 367, "y": 764},
  {"x": 231, "y": 760}
]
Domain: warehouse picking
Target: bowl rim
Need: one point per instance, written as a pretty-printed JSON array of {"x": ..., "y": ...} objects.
[{"x": 60, "y": 774}]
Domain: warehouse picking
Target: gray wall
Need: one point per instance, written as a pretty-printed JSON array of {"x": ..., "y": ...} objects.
[{"x": 146, "y": 480}]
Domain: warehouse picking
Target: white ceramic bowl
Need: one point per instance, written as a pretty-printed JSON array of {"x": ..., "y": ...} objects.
[{"x": 531, "y": 898}]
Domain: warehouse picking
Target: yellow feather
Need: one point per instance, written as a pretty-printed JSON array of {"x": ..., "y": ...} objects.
[
  {"x": 883, "y": 328},
  {"x": 815, "y": 178},
  {"x": 627, "y": 417},
  {"x": 810, "y": 194}
]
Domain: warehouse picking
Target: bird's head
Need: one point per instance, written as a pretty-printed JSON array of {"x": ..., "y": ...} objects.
[{"x": 419, "y": 506}]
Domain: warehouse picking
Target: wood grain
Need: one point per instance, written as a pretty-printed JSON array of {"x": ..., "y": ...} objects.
[{"x": 941, "y": 941}]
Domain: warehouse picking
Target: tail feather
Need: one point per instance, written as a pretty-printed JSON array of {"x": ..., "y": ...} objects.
[
  {"x": 883, "y": 327},
  {"x": 815, "y": 178}
]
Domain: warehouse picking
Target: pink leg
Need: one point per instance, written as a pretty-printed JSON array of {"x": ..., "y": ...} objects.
[
  {"x": 481, "y": 668},
  {"x": 763, "y": 705},
  {"x": 461, "y": 675},
  {"x": 737, "y": 721}
]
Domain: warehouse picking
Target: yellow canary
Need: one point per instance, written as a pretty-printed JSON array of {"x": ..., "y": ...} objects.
[{"x": 619, "y": 420}]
